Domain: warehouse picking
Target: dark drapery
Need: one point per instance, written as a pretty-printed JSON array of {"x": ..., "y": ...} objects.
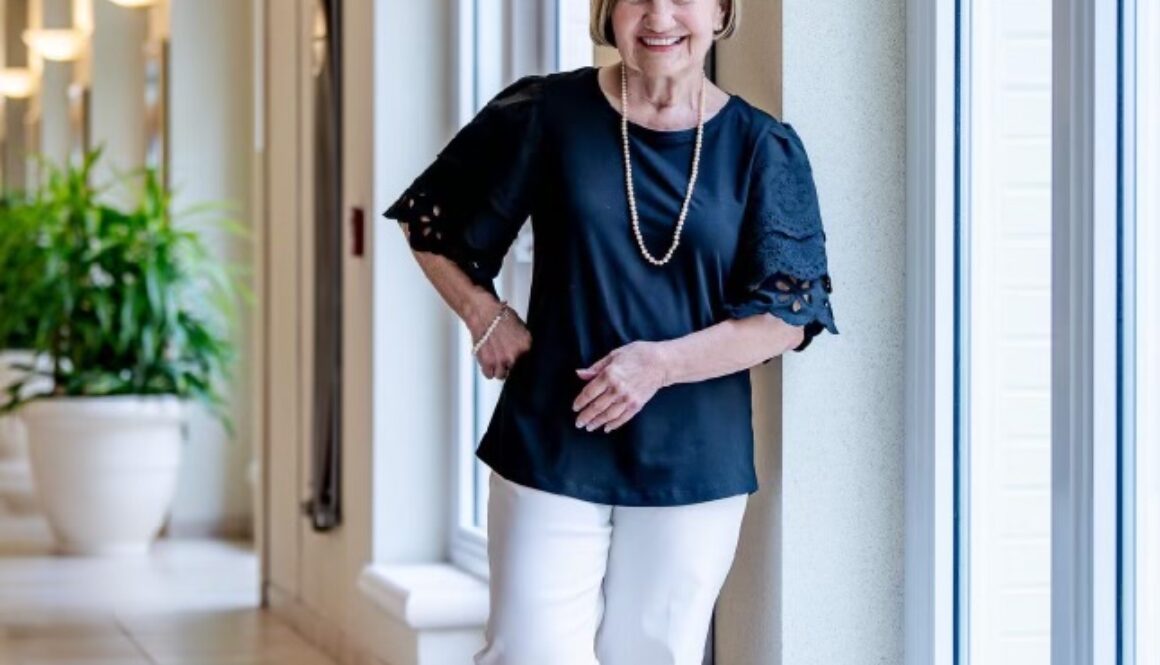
[{"x": 324, "y": 505}]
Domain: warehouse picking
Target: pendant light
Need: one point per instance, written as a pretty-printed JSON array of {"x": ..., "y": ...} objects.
[
  {"x": 57, "y": 44},
  {"x": 17, "y": 82}
]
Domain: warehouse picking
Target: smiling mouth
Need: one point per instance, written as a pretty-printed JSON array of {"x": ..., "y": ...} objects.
[{"x": 662, "y": 42}]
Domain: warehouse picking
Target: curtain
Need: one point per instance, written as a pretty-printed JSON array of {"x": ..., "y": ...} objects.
[{"x": 324, "y": 505}]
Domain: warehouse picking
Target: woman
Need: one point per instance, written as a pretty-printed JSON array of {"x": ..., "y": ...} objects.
[{"x": 678, "y": 242}]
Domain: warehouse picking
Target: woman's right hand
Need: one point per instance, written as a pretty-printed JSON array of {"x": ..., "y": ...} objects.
[{"x": 510, "y": 340}]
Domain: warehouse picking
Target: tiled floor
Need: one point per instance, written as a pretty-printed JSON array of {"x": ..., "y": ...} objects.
[{"x": 187, "y": 603}]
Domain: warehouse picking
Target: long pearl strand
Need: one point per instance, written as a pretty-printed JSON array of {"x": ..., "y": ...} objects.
[{"x": 628, "y": 171}]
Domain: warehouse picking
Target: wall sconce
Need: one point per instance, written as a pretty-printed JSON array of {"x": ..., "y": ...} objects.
[
  {"x": 17, "y": 82},
  {"x": 135, "y": 3},
  {"x": 57, "y": 44}
]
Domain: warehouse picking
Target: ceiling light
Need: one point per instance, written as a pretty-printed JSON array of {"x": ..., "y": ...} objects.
[
  {"x": 135, "y": 3},
  {"x": 17, "y": 82},
  {"x": 57, "y": 44}
]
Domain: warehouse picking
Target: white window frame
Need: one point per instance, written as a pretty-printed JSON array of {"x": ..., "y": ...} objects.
[
  {"x": 1146, "y": 609},
  {"x": 529, "y": 46},
  {"x": 930, "y": 353},
  {"x": 1085, "y": 384},
  {"x": 1085, "y": 402}
]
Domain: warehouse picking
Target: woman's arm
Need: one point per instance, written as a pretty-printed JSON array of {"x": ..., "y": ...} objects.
[
  {"x": 623, "y": 381},
  {"x": 726, "y": 347},
  {"x": 476, "y": 307}
]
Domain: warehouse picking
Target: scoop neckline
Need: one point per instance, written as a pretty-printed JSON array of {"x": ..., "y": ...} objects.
[{"x": 663, "y": 134}]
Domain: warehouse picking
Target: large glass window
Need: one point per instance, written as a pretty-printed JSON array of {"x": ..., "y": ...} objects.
[
  {"x": 1028, "y": 276},
  {"x": 500, "y": 45}
]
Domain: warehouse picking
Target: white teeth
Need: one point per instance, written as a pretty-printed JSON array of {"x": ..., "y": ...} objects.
[{"x": 661, "y": 42}]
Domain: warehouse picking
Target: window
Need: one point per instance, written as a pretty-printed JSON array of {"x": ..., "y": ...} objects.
[
  {"x": 1033, "y": 365},
  {"x": 499, "y": 44}
]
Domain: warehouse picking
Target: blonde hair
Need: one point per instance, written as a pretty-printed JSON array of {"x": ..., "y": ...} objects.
[{"x": 600, "y": 24}]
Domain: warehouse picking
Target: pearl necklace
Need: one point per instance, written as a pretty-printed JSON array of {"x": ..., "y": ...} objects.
[{"x": 628, "y": 171}]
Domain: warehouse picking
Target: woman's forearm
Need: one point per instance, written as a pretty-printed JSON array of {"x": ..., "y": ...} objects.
[
  {"x": 726, "y": 347},
  {"x": 471, "y": 302}
]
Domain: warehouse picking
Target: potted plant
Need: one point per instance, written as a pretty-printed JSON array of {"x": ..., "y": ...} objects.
[{"x": 132, "y": 312}]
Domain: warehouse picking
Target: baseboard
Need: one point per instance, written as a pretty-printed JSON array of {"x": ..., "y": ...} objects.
[
  {"x": 316, "y": 629},
  {"x": 239, "y": 527}
]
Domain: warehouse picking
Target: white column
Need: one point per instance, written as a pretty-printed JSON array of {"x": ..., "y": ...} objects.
[
  {"x": 117, "y": 74},
  {"x": 211, "y": 142},
  {"x": 819, "y": 573},
  {"x": 15, "y": 55},
  {"x": 55, "y": 79}
]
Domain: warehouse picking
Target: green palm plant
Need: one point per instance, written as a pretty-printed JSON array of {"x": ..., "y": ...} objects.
[{"x": 124, "y": 302}]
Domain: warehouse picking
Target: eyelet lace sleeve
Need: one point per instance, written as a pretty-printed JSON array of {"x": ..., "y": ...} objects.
[
  {"x": 780, "y": 266},
  {"x": 471, "y": 201}
]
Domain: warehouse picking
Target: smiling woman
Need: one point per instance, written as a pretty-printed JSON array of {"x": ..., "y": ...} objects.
[{"x": 627, "y": 398}]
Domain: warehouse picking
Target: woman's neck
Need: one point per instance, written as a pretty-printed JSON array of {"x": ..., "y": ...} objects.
[
  {"x": 672, "y": 105},
  {"x": 665, "y": 94}
]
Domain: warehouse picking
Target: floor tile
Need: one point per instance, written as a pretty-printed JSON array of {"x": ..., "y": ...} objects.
[{"x": 188, "y": 602}]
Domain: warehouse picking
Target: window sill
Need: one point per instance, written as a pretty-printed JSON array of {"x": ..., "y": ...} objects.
[{"x": 427, "y": 596}]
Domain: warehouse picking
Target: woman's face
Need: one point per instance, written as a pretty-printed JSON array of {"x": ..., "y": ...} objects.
[{"x": 665, "y": 37}]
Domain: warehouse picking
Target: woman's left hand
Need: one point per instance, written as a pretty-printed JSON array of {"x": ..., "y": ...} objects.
[{"x": 619, "y": 385}]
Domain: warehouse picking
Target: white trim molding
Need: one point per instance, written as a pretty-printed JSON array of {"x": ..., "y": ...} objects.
[
  {"x": 1146, "y": 574},
  {"x": 427, "y": 596},
  {"x": 930, "y": 374},
  {"x": 1084, "y": 339}
]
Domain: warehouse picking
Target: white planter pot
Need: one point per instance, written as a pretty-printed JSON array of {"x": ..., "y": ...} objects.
[{"x": 105, "y": 468}]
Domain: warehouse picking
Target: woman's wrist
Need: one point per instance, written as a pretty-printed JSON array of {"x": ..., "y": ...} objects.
[
  {"x": 480, "y": 340},
  {"x": 478, "y": 311},
  {"x": 665, "y": 360}
]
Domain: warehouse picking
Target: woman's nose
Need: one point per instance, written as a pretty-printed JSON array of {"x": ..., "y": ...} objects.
[{"x": 659, "y": 16}]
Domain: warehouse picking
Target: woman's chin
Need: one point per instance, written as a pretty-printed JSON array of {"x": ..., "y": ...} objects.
[{"x": 662, "y": 64}]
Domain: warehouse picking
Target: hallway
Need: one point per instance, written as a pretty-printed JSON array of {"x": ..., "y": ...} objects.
[{"x": 192, "y": 602}]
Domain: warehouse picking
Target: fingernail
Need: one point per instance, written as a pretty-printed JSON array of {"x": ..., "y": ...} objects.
[{"x": 579, "y": 424}]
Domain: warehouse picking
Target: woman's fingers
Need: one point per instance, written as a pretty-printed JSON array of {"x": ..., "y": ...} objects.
[
  {"x": 611, "y": 414},
  {"x": 621, "y": 419},
  {"x": 590, "y": 392},
  {"x": 594, "y": 411}
]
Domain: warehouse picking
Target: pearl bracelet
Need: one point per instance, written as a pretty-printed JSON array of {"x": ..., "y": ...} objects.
[{"x": 503, "y": 310}]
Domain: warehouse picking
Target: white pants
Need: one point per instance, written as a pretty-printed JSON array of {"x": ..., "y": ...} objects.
[{"x": 581, "y": 583}]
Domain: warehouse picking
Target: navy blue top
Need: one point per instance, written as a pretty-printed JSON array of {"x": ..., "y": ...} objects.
[{"x": 549, "y": 147}]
